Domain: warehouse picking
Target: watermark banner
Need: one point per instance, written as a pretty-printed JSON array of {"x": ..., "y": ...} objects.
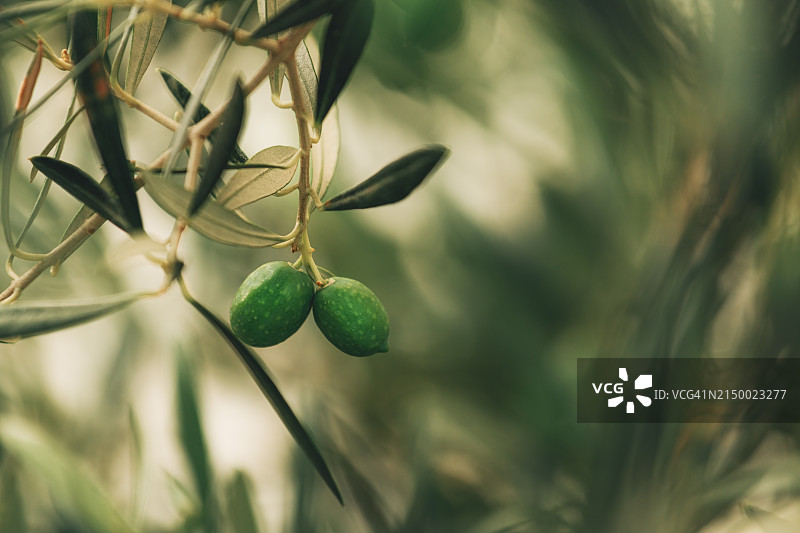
[{"x": 743, "y": 390}]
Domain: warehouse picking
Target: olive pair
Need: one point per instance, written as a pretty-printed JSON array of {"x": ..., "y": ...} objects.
[{"x": 275, "y": 299}]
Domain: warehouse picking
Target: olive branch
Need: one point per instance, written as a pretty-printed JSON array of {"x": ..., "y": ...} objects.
[{"x": 204, "y": 201}]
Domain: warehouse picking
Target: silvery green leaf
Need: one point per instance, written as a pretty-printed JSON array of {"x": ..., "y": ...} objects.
[
  {"x": 251, "y": 184},
  {"x": 267, "y": 9},
  {"x": 212, "y": 220},
  {"x": 308, "y": 77},
  {"x": 325, "y": 153},
  {"x": 262, "y": 11},
  {"x": 21, "y": 320},
  {"x": 147, "y": 34}
]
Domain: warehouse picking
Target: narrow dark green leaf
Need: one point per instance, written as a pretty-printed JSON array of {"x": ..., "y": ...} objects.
[
  {"x": 80, "y": 185},
  {"x": 94, "y": 89},
  {"x": 267, "y": 385},
  {"x": 393, "y": 182},
  {"x": 212, "y": 220},
  {"x": 29, "y": 319},
  {"x": 190, "y": 429},
  {"x": 249, "y": 185},
  {"x": 85, "y": 211},
  {"x": 241, "y": 513},
  {"x": 344, "y": 40},
  {"x": 182, "y": 95},
  {"x": 147, "y": 34},
  {"x": 224, "y": 143},
  {"x": 295, "y": 14}
]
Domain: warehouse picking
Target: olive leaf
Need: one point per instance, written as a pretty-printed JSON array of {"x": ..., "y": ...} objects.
[
  {"x": 94, "y": 89},
  {"x": 84, "y": 188},
  {"x": 238, "y": 494},
  {"x": 325, "y": 153},
  {"x": 295, "y": 14},
  {"x": 266, "y": 383},
  {"x": 85, "y": 211},
  {"x": 70, "y": 489},
  {"x": 308, "y": 77},
  {"x": 190, "y": 429},
  {"x": 21, "y": 320},
  {"x": 228, "y": 133},
  {"x": 267, "y": 9},
  {"x": 344, "y": 41},
  {"x": 147, "y": 32},
  {"x": 212, "y": 220},
  {"x": 251, "y": 184},
  {"x": 182, "y": 95},
  {"x": 393, "y": 182}
]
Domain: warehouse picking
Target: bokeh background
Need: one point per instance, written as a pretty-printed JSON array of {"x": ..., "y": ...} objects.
[{"x": 623, "y": 183}]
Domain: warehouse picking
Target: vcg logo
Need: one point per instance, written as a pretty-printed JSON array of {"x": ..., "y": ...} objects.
[{"x": 644, "y": 381}]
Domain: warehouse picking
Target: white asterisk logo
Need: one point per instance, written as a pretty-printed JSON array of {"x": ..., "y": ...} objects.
[{"x": 644, "y": 381}]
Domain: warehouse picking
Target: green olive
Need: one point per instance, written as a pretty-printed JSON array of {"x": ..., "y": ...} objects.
[
  {"x": 271, "y": 304},
  {"x": 351, "y": 317}
]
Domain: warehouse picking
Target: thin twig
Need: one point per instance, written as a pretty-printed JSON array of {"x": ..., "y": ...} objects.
[
  {"x": 286, "y": 51},
  {"x": 206, "y": 22},
  {"x": 301, "y": 242},
  {"x": 68, "y": 245}
]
